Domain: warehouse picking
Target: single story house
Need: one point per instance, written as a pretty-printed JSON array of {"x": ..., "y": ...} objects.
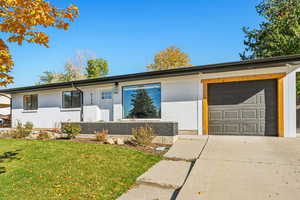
[{"x": 254, "y": 97}]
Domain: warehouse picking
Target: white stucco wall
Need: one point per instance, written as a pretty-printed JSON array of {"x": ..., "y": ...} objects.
[
  {"x": 290, "y": 104},
  {"x": 181, "y": 101},
  {"x": 50, "y": 112}
]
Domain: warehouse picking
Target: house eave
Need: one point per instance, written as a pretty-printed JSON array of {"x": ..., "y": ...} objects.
[{"x": 212, "y": 68}]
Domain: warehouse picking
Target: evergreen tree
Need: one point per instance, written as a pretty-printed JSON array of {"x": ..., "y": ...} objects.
[
  {"x": 143, "y": 106},
  {"x": 278, "y": 34}
]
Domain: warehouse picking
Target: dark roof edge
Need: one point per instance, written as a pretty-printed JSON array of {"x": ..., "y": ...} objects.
[{"x": 248, "y": 64}]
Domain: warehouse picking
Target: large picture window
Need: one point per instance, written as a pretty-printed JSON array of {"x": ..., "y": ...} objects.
[
  {"x": 71, "y": 99},
  {"x": 30, "y": 102},
  {"x": 142, "y": 101}
]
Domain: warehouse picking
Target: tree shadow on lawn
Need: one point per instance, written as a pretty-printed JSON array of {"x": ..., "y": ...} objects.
[{"x": 8, "y": 156}]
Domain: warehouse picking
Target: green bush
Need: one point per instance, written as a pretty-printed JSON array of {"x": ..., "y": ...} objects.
[
  {"x": 21, "y": 130},
  {"x": 71, "y": 129},
  {"x": 143, "y": 135}
]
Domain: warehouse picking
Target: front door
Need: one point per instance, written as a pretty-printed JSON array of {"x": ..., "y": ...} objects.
[{"x": 106, "y": 105}]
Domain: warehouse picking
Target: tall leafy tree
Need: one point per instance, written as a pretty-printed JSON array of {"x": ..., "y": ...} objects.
[
  {"x": 73, "y": 69},
  {"x": 96, "y": 68},
  {"x": 143, "y": 106},
  {"x": 170, "y": 58},
  {"x": 22, "y": 20},
  {"x": 278, "y": 34},
  {"x": 71, "y": 73},
  {"x": 49, "y": 77}
]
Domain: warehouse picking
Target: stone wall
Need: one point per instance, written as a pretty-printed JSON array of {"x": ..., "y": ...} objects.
[{"x": 125, "y": 128}]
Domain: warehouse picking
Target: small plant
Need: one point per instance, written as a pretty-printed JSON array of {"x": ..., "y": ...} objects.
[
  {"x": 21, "y": 130},
  {"x": 102, "y": 136},
  {"x": 71, "y": 129},
  {"x": 143, "y": 135},
  {"x": 43, "y": 135}
]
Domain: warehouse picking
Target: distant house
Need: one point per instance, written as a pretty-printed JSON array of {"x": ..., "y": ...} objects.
[
  {"x": 255, "y": 97},
  {"x": 4, "y": 109}
]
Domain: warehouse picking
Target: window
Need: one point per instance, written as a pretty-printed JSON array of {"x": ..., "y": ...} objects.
[
  {"x": 106, "y": 95},
  {"x": 71, "y": 99},
  {"x": 30, "y": 102},
  {"x": 142, "y": 101}
]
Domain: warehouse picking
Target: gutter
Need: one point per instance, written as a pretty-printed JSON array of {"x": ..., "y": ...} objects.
[
  {"x": 81, "y": 101},
  {"x": 211, "y": 68}
]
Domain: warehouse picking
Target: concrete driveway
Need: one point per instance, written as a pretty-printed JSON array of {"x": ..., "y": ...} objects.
[{"x": 247, "y": 168}]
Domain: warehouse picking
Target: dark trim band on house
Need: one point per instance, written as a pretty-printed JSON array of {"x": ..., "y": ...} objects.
[{"x": 229, "y": 66}]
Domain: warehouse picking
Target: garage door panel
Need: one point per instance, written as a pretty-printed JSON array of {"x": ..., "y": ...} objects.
[
  {"x": 216, "y": 128},
  {"x": 216, "y": 115},
  {"x": 231, "y": 115},
  {"x": 243, "y": 108},
  {"x": 249, "y": 114},
  {"x": 233, "y": 128}
]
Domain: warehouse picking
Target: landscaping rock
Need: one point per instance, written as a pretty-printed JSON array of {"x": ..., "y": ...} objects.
[
  {"x": 33, "y": 136},
  {"x": 110, "y": 141},
  {"x": 119, "y": 141}
]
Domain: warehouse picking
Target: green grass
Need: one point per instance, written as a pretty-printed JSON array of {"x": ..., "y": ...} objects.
[{"x": 67, "y": 170}]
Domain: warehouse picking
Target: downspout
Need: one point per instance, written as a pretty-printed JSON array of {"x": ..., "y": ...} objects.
[
  {"x": 10, "y": 99},
  {"x": 81, "y": 101}
]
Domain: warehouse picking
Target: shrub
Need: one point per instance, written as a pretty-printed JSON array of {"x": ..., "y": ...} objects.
[
  {"x": 143, "y": 135},
  {"x": 102, "y": 135},
  {"x": 43, "y": 135},
  {"x": 21, "y": 130},
  {"x": 71, "y": 129}
]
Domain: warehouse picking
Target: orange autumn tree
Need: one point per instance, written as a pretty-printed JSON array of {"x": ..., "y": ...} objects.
[{"x": 22, "y": 20}]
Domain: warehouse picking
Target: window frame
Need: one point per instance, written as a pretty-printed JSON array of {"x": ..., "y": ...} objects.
[
  {"x": 71, "y": 107},
  {"x": 141, "y": 84},
  {"x": 29, "y": 108},
  {"x": 106, "y": 99}
]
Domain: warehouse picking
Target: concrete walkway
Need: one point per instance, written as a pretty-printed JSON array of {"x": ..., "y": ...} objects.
[
  {"x": 160, "y": 182},
  {"x": 224, "y": 167},
  {"x": 164, "y": 180},
  {"x": 188, "y": 149},
  {"x": 234, "y": 168}
]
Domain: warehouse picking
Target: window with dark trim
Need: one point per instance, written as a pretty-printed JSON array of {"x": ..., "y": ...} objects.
[
  {"x": 142, "y": 101},
  {"x": 71, "y": 99},
  {"x": 30, "y": 102}
]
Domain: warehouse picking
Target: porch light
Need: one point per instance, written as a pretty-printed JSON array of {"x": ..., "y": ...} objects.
[{"x": 116, "y": 88}]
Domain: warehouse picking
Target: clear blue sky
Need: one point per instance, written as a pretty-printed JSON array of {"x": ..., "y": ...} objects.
[{"x": 128, "y": 34}]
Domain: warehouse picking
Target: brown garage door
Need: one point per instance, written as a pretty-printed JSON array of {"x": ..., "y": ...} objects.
[{"x": 243, "y": 108}]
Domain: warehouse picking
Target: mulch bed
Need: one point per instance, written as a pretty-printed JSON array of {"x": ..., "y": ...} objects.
[{"x": 151, "y": 149}]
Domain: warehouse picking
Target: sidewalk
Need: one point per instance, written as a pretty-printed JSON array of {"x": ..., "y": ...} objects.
[{"x": 165, "y": 179}]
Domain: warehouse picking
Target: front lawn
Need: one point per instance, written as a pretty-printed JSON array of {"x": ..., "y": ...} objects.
[{"x": 65, "y": 170}]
